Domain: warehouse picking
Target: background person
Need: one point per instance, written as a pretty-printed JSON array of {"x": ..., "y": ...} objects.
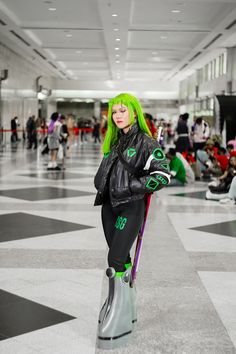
[
  {"x": 177, "y": 170},
  {"x": 53, "y": 141},
  {"x": 182, "y": 142}
]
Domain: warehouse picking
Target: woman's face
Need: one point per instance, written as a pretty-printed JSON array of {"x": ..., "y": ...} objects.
[
  {"x": 232, "y": 161},
  {"x": 121, "y": 117}
]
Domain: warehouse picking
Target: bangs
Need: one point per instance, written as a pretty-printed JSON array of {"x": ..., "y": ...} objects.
[{"x": 124, "y": 99}]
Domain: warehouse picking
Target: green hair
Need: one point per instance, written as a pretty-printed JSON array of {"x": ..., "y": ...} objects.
[{"x": 135, "y": 111}]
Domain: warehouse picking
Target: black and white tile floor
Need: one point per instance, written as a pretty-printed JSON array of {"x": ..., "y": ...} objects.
[{"x": 53, "y": 256}]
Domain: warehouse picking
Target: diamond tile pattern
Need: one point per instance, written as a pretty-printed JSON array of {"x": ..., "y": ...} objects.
[
  {"x": 43, "y": 193},
  {"x": 197, "y": 195},
  {"x": 227, "y": 228},
  {"x": 57, "y": 175},
  {"x": 17, "y": 226},
  {"x": 19, "y": 315}
]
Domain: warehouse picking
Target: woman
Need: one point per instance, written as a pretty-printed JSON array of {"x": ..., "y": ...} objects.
[
  {"x": 54, "y": 141},
  {"x": 133, "y": 166},
  {"x": 182, "y": 141}
]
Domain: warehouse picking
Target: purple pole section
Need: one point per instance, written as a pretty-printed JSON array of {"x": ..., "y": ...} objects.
[
  {"x": 140, "y": 241},
  {"x": 141, "y": 232}
]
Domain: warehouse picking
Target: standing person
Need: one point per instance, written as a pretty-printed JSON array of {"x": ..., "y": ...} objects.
[
  {"x": 133, "y": 166},
  {"x": 71, "y": 130},
  {"x": 182, "y": 141},
  {"x": 63, "y": 138},
  {"x": 96, "y": 130},
  {"x": 200, "y": 134},
  {"x": 14, "y": 134},
  {"x": 150, "y": 124},
  {"x": 31, "y": 132},
  {"x": 54, "y": 140}
]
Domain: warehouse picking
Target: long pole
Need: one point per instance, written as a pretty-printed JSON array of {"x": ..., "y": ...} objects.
[{"x": 139, "y": 243}]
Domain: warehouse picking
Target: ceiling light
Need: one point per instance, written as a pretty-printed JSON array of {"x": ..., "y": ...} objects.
[
  {"x": 154, "y": 53},
  {"x": 117, "y": 55},
  {"x": 68, "y": 35},
  {"x": 78, "y": 51},
  {"x": 163, "y": 37},
  {"x": 175, "y": 11},
  {"x": 117, "y": 48},
  {"x": 52, "y": 9},
  {"x": 117, "y": 39},
  {"x": 114, "y": 15},
  {"x": 116, "y": 29},
  {"x": 117, "y": 61},
  {"x": 156, "y": 59}
]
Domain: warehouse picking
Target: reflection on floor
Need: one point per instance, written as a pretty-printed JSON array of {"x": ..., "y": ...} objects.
[
  {"x": 198, "y": 195},
  {"x": 53, "y": 257}
]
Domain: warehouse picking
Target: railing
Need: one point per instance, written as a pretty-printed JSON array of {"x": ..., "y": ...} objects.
[{"x": 6, "y": 134}]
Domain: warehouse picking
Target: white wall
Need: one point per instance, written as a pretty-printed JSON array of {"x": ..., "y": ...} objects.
[
  {"x": 233, "y": 51},
  {"x": 19, "y": 96}
]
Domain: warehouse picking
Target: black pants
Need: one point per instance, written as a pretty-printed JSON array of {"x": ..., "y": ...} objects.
[{"x": 121, "y": 225}]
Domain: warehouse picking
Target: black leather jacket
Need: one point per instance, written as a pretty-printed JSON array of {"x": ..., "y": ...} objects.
[{"x": 143, "y": 154}]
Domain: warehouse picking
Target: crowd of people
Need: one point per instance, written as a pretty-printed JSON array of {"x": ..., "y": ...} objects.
[
  {"x": 193, "y": 153},
  {"x": 208, "y": 159}
]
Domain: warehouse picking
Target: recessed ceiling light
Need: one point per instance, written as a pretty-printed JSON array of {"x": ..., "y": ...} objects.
[
  {"x": 78, "y": 51},
  {"x": 117, "y": 61},
  {"x": 117, "y": 39},
  {"x": 117, "y": 48},
  {"x": 68, "y": 35},
  {"x": 117, "y": 55},
  {"x": 175, "y": 11},
  {"x": 114, "y": 15},
  {"x": 154, "y": 53},
  {"x": 163, "y": 37},
  {"x": 116, "y": 29},
  {"x": 52, "y": 9}
]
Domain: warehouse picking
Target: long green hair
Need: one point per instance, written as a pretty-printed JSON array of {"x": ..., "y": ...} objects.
[{"x": 135, "y": 111}]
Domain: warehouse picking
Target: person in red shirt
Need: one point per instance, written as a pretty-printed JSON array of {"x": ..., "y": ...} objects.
[
  {"x": 230, "y": 149},
  {"x": 221, "y": 157},
  {"x": 150, "y": 123}
]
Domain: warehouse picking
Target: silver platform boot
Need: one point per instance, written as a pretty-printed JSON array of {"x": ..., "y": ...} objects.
[
  {"x": 133, "y": 299},
  {"x": 116, "y": 325}
]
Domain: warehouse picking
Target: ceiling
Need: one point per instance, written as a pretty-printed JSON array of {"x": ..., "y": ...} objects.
[{"x": 149, "y": 44}]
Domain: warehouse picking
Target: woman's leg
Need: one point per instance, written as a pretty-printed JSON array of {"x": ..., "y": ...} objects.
[
  {"x": 108, "y": 222},
  {"x": 218, "y": 196},
  {"x": 129, "y": 218}
]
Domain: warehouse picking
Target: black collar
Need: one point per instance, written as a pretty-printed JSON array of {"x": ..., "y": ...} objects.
[{"x": 132, "y": 131}]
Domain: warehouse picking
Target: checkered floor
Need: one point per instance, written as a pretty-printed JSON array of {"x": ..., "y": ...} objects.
[{"x": 53, "y": 257}]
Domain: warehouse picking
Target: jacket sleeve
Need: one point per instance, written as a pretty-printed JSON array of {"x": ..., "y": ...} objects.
[{"x": 157, "y": 170}]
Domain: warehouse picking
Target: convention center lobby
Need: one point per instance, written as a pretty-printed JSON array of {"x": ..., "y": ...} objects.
[{"x": 177, "y": 57}]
